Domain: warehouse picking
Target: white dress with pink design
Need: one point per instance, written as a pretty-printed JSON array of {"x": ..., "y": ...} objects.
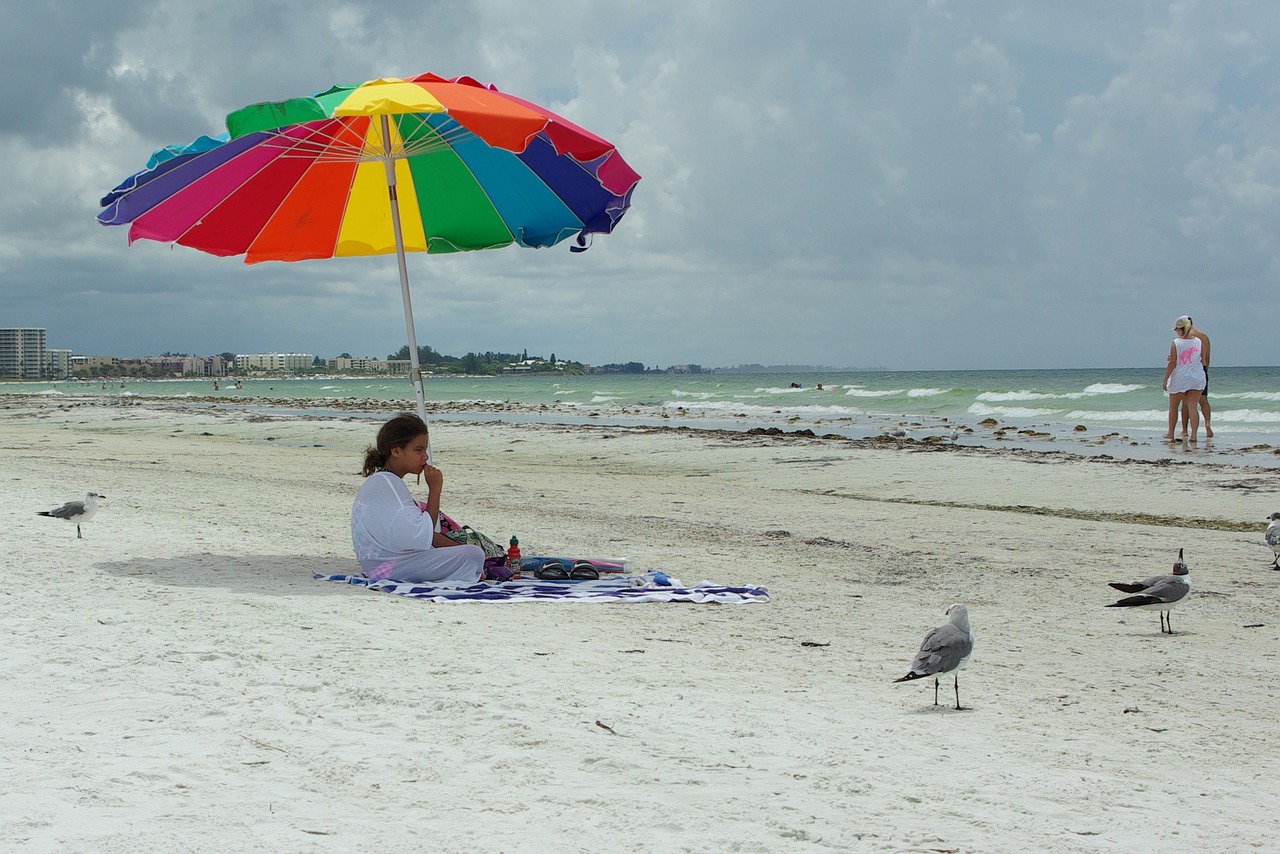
[{"x": 1188, "y": 373}]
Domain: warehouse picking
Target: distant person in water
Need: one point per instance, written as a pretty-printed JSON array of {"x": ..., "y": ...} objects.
[
  {"x": 1184, "y": 377},
  {"x": 392, "y": 535},
  {"x": 1204, "y": 395}
]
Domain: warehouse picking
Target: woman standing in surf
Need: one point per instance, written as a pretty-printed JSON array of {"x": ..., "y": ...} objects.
[{"x": 1184, "y": 377}]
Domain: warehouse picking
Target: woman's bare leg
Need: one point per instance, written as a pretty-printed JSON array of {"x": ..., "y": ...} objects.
[
  {"x": 1175, "y": 406},
  {"x": 1193, "y": 403}
]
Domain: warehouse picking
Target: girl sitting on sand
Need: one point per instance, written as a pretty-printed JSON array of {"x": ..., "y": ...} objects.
[{"x": 392, "y": 535}]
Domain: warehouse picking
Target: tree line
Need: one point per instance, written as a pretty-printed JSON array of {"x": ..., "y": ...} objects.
[{"x": 488, "y": 362}]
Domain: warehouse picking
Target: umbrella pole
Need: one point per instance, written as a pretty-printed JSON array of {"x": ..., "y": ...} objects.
[{"x": 415, "y": 369}]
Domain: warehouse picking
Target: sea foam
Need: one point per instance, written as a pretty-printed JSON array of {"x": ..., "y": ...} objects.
[
  {"x": 863, "y": 392},
  {"x": 1246, "y": 395},
  {"x": 1112, "y": 388}
]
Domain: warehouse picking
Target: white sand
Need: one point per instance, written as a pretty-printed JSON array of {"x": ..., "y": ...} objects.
[{"x": 176, "y": 681}]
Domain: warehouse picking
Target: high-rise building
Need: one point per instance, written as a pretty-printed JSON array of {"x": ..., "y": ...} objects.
[
  {"x": 59, "y": 364},
  {"x": 23, "y": 354}
]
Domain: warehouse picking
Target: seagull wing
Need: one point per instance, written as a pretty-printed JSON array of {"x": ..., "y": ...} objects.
[
  {"x": 67, "y": 511},
  {"x": 1136, "y": 586},
  {"x": 1273, "y": 536},
  {"x": 1166, "y": 590},
  {"x": 941, "y": 652},
  {"x": 1170, "y": 589}
]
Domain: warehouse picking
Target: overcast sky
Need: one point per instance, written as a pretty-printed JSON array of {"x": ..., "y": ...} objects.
[{"x": 908, "y": 184}]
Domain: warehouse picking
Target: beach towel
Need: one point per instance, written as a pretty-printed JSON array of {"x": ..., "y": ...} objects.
[{"x": 620, "y": 588}]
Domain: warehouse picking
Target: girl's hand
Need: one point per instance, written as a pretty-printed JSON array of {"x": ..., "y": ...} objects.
[{"x": 433, "y": 476}]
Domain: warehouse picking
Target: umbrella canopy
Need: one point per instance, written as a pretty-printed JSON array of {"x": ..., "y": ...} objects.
[{"x": 424, "y": 164}]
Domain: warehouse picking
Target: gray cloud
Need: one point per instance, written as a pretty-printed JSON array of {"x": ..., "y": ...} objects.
[{"x": 918, "y": 184}]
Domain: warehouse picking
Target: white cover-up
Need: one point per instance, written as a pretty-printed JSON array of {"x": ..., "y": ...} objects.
[
  {"x": 1188, "y": 373},
  {"x": 392, "y": 537}
]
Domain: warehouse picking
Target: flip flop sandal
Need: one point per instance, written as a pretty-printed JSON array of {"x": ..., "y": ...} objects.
[
  {"x": 584, "y": 571},
  {"x": 552, "y": 571}
]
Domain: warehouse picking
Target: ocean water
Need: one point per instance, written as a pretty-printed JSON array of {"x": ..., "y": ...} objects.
[{"x": 1083, "y": 410}]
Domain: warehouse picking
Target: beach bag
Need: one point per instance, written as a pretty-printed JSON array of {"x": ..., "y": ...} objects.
[{"x": 469, "y": 535}]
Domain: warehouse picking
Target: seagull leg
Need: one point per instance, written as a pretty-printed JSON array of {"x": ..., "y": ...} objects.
[
  {"x": 79, "y": 536},
  {"x": 935, "y": 690},
  {"x": 957, "y": 690}
]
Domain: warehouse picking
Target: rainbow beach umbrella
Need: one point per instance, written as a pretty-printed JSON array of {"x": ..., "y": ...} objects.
[{"x": 423, "y": 164}]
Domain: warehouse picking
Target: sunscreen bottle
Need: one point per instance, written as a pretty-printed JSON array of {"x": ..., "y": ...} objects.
[{"x": 513, "y": 558}]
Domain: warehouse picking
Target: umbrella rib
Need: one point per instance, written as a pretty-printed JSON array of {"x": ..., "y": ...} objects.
[{"x": 326, "y": 147}]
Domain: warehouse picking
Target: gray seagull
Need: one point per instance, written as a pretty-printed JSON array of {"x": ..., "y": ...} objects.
[
  {"x": 944, "y": 650},
  {"x": 78, "y": 512},
  {"x": 1273, "y": 538},
  {"x": 1157, "y": 593}
]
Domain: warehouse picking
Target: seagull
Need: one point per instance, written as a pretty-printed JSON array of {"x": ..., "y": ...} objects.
[
  {"x": 945, "y": 649},
  {"x": 1157, "y": 593},
  {"x": 76, "y": 511},
  {"x": 1273, "y": 538}
]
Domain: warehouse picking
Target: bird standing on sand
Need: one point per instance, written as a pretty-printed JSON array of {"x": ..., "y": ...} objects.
[
  {"x": 944, "y": 650},
  {"x": 1273, "y": 538},
  {"x": 1157, "y": 593},
  {"x": 78, "y": 512}
]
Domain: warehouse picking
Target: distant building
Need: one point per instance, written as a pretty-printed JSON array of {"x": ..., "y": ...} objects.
[
  {"x": 23, "y": 354},
  {"x": 97, "y": 362},
  {"x": 58, "y": 364},
  {"x": 523, "y": 366},
  {"x": 368, "y": 365},
  {"x": 275, "y": 363},
  {"x": 184, "y": 366},
  {"x": 357, "y": 365}
]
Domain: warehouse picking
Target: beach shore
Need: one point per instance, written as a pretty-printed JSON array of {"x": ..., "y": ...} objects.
[{"x": 177, "y": 681}]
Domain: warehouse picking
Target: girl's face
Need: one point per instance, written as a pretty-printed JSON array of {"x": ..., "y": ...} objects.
[{"x": 410, "y": 458}]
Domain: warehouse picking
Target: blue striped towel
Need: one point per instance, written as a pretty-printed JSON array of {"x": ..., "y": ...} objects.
[{"x": 626, "y": 588}]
